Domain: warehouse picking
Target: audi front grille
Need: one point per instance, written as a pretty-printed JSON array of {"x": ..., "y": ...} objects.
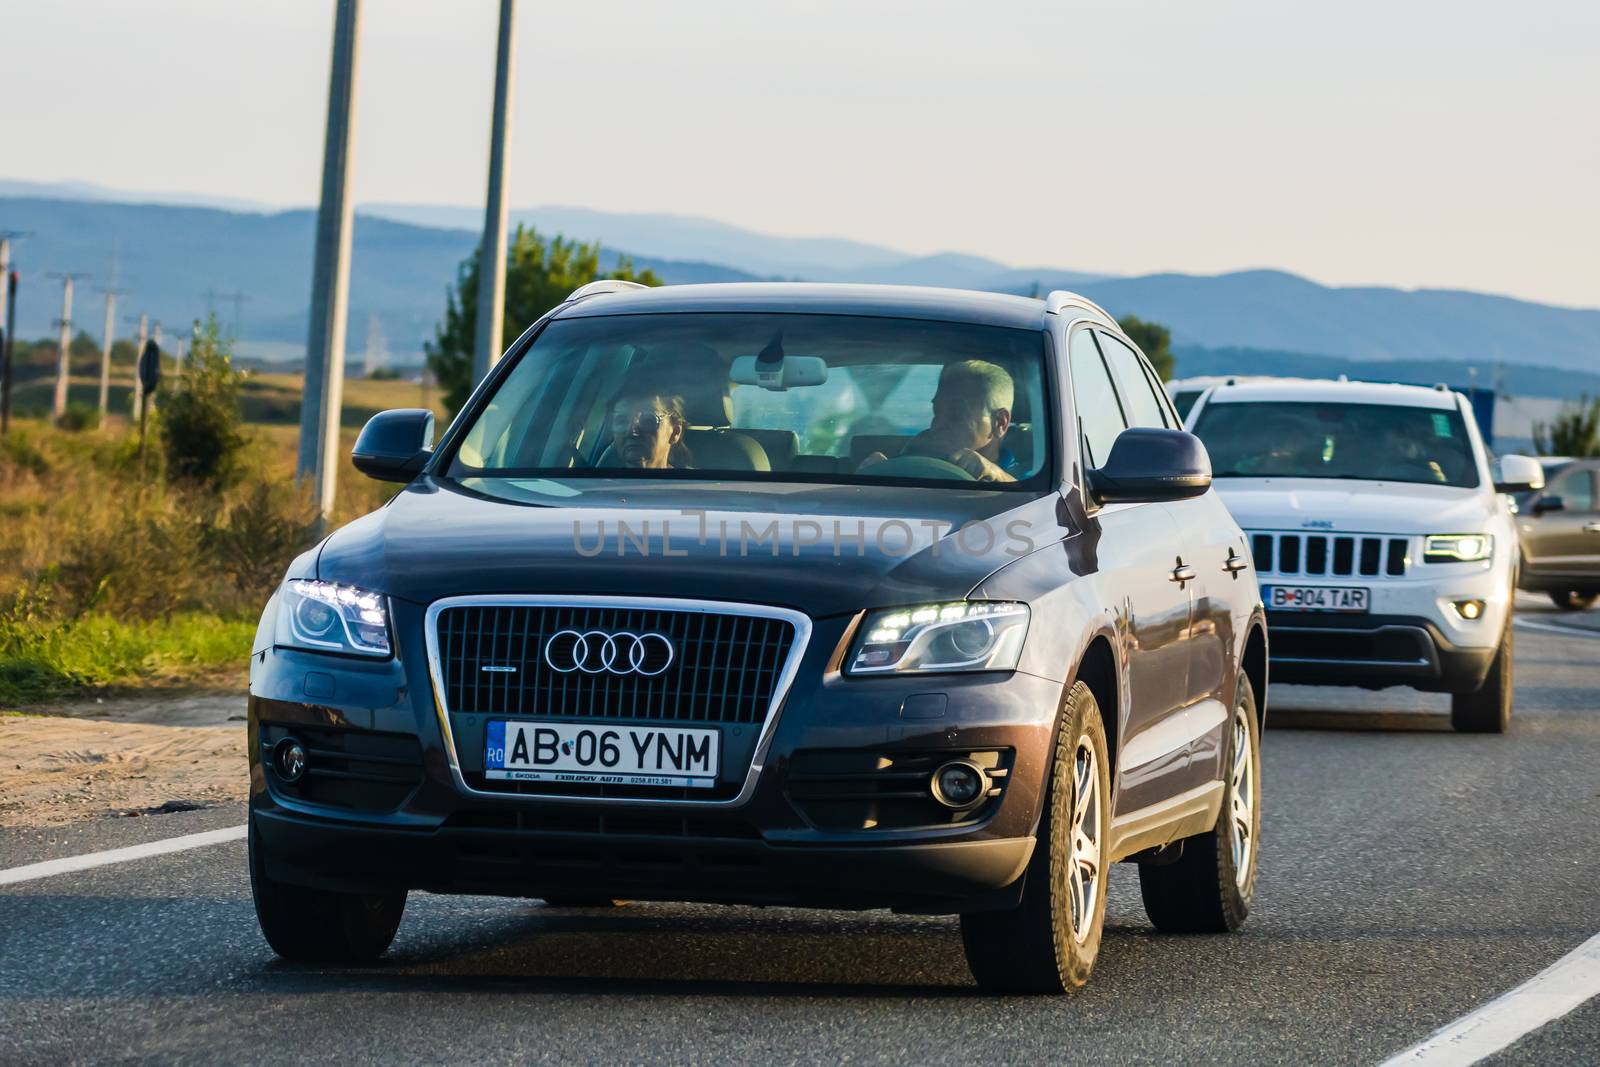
[{"x": 577, "y": 661}]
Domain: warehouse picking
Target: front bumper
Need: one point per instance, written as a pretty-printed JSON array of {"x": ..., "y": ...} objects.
[
  {"x": 1372, "y": 651},
  {"x": 647, "y": 859},
  {"x": 369, "y": 825}
]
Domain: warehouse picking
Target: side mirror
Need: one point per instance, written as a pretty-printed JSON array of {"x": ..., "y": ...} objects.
[
  {"x": 1518, "y": 474},
  {"x": 394, "y": 445},
  {"x": 1149, "y": 465},
  {"x": 1548, "y": 503}
]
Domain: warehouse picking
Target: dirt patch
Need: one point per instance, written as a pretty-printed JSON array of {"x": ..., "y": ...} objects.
[
  {"x": 55, "y": 770},
  {"x": 192, "y": 706}
]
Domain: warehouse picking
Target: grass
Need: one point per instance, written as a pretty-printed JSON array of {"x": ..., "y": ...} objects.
[
  {"x": 110, "y": 579},
  {"x": 45, "y": 658}
]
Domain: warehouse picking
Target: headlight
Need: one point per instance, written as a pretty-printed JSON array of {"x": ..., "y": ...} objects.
[
  {"x": 984, "y": 635},
  {"x": 1457, "y": 548},
  {"x": 332, "y": 618}
]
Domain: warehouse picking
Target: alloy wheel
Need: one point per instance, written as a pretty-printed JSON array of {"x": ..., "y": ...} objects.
[
  {"x": 1241, "y": 800},
  {"x": 1083, "y": 861}
]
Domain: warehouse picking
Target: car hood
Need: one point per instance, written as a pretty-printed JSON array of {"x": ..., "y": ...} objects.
[
  {"x": 767, "y": 543},
  {"x": 1357, "y": 507}
]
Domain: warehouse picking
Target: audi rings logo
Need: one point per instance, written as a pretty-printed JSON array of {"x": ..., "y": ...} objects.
[{"x": 597, "y": 652}]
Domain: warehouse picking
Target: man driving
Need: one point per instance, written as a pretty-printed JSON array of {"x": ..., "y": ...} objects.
[{"x": 971, "y": 414}]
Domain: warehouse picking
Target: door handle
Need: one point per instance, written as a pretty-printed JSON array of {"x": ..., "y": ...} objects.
[
  {"x": 1591, "y": 527},
  {"x": 1183, "y": 573},
  {"x": 1235, "y": 562}
]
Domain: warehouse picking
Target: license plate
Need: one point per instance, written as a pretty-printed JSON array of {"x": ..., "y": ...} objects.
[
  {"x": 594, "y": 754},
  {"x": 1317, "y": 598}
]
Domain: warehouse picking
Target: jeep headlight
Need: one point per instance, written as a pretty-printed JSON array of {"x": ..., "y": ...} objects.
[
  {"x": 981, "y": 635},
  {"x": 1457, "y": 548},
  {"x": 327, "y": 617}
]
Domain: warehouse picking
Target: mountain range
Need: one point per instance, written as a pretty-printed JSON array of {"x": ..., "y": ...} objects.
[{"x": 176, "y": 258}]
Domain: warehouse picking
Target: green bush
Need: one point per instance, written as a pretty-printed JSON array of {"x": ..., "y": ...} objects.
[
  {"x": 200, "y": 424},
  {"x": 79, "y": 417},
  {"x": 19, "y": 451}
]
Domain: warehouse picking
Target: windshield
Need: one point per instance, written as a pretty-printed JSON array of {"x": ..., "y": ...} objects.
[
  {"x": 1370, "y": 442},
  {"x": 768, "y": 397}
]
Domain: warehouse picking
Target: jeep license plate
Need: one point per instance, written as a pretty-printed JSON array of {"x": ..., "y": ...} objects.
[
  {"x": 598, "y": 754},
  {"x": 1316, "y": 598}
]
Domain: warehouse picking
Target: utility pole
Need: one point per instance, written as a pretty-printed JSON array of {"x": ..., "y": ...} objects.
[
  {"x": 108, "y": 335},
  {"x": 58, "y": 404},
  {"x": 492, "y": 252},
  {"x": 330, "y": 277},
  {"x": 138, "y": 387},
  {"x": 212, "y": 296},
  {"x": 8, "y": 293},
  {"x": 8, "y": 286}
]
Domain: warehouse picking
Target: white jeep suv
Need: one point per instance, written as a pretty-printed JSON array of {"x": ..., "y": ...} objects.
[{"x": 1385, "y": 550}]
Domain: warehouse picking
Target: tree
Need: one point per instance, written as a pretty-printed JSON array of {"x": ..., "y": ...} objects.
[
  {"x": 1575, "y": 431},
  {"x": 539, "y": 275},
  {"x": 199, "y": 418},
  {"x": 1154, "y": 340}
]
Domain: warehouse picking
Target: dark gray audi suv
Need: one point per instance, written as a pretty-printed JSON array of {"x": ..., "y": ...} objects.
[{"x": 823, "y": 596}]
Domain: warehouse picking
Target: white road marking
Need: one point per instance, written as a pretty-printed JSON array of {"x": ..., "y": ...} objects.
[
  {"x": 1556, "y": 628},
  {"x": 50, "y": 868},
  {"x": 1553, "y": 992}
]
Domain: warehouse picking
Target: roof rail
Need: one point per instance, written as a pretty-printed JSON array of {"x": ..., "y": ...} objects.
[
  {"x": 1060, "y": 299},
  {"x": 604, "y": 285}
]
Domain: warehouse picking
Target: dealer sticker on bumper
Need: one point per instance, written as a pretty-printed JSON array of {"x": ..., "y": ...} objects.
[
  {"x": 601, "y": 755},
  {"x": 1316, "y": 598}
]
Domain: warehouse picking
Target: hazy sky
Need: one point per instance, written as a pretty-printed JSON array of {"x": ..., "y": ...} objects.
[{"x": 1440, "y": 143}]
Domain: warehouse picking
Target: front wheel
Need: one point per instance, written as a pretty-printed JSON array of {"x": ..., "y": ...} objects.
[
  {"x": 1049, "y": 941},
  {"x": 1209, "y": 887},
  {"x": 1487, "y": 711},
  {"x": 319, "y": 926},
  {"x": 1572, "y": 600}
]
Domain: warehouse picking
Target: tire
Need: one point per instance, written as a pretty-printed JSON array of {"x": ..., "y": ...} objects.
[
  {"x": 1209, "y": 887},
  {"x": 318, "y": 926},
  {"x": 1047, "y": 944},
  {"x": 1488, "y": 710},
  {"x": 1572, "y": 600}
]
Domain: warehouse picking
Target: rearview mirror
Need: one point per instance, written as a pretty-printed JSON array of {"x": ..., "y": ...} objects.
[
  {"x": 786, "y": 372},
  {"x": 1518, "y": 474},
  {"x": 1147, "y": 465},
  {"x": 1549, "y": 503},
  {"x": 394, "y": 445}
]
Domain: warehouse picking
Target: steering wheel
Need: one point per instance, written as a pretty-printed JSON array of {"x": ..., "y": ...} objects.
[{"x": 919, "y": 467}]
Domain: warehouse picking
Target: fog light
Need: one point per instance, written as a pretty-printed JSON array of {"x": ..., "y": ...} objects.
[
  {"x": 1469, "y": 609},
  {"x": 289, "y": 757},
  {"x": 959, "y": 784}
]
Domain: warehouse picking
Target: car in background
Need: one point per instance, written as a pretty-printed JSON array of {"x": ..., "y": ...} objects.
[
  {"x": 775, "y": 594},
  {"x": 1186, "y": 392},
  {"x": 1386, "y": 552},
  {"x": 1559, "y": 528}
]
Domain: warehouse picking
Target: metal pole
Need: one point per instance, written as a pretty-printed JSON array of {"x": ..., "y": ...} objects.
[
  {"x": 105, "y": 354},
  {"x": 58, "y": 404},
  {"x": 9, "y": 284},
  {"x": 330, "y": 281},
  {"x": 138, "y": 386},
  {"x": 488, "y": 341}
]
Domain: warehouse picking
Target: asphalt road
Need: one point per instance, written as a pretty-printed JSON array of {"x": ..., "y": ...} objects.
[{"x": 1408, "y": 876}]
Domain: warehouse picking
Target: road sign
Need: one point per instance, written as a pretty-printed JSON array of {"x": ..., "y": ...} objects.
[{"x": 150, "y": 367}]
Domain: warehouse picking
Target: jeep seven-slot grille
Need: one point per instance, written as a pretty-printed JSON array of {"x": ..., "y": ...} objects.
[
  {"x": 1341, "y": 555},
  {"x": 724, "y": 668}
]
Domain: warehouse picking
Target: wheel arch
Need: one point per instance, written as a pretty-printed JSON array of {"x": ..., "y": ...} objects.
[
  {"x": 1097, "y": 668},
  {"x": 1254, "y": 665}
]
